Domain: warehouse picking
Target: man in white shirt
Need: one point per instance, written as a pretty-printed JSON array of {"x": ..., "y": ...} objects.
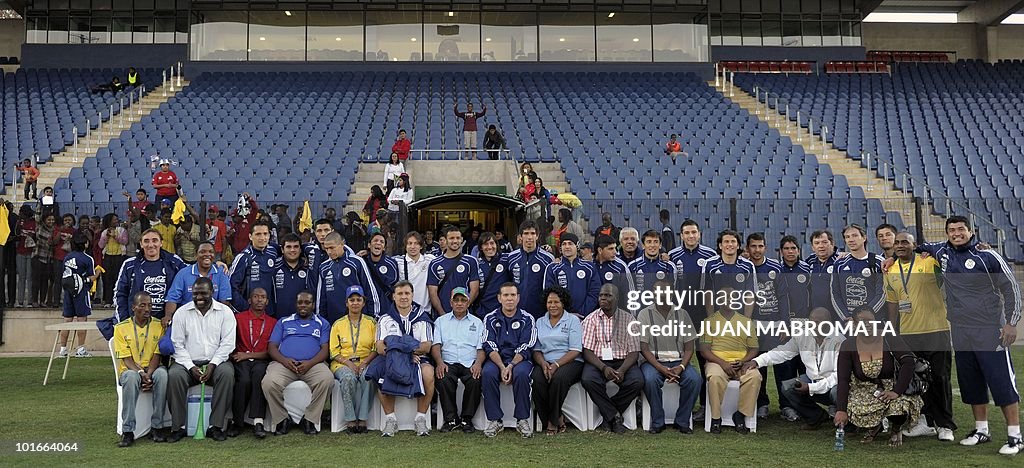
[
  {"x": 413, "y": 267},
  {"x": 203, "y": 334},
  {"x": 818, "y": 385}
]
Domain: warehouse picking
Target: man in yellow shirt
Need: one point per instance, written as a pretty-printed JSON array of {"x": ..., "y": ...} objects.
[
  {"x": 136, "y": 347},
  {"x": 353, "y": 347},
  {"x": 916, "y": 305},
  {"x": 167, "y": 229},
  {"x": 728, "y": 341}
]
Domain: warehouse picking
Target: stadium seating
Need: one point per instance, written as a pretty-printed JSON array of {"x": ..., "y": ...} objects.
[{"x": 956, "y": 129}]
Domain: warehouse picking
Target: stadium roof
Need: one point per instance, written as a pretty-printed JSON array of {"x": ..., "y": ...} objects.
[{"x": 983, "y": 12}]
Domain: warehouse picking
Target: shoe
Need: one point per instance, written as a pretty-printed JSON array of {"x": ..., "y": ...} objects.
[
  {"x": 946, "y": 434},
  {"x": 921, "y": 429},
  {"x": 617, "y": 426},
  {"x": 762, "y": 412},
  {"x": 493, "y": 428},
  {"x": 656, "y": 429},
  {"x": 422, "y": 428},
  {"x": 217, "y": 434},
  {"x": 684, "y": 429},
  {"x": 525, "y": 428},
  {"x": 813, "y": 426},
  {"x": 390, "y": 427},
  {"x": 698, "y": 416},
  {"x": 259, "y": 431},
  {"x": 974, "y": 438},
  {"x": 308, "y": 427},
  {"x": 233, "y": 430},
  {"x": 176, "y": 436},
  {"x": 741, "y": 422},
  {"x": 448, "y": 427},
  {"x": 82, "y": 353},
  {"x": 467, "y": 427},
  {"x": 62, "y": 353},
  {"x": 362, "y": 430},
  {"x": 716, "y": 426},
  {"x": 1013, "y": 446},
  {"x": 157, "y": 436},
  {"x": 790, "y": 414},
  {"x": 127, "y": 439},
  {"x": 283, "y": 427}
]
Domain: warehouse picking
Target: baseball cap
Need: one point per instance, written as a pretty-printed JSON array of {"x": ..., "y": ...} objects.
[
  {"x": 165, "y": 201},
  {"x": 165, "y": 161},
  {"x": 213, "y": 208},
  {"x": 354, "y": 289},
  {"x": 460, "y": 291},
  {"x": 568, "y": 236},
  {"x": 586, "y": 245}
]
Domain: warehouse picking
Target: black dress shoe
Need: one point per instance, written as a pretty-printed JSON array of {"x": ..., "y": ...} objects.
[
  {"x": 656, "y": 429},
  {"x": 127, "y": 439},
  {"x": 741, "y": 422},
  {"x": 283, "y": 427},
  {"x": 176, "y": 436},
  {"x": 684, "y": 429},
  {"x": 467, "y": 426},
  {"x": 158, "y": 436},
  {"x": 617, "y": 426},
  {"x": 716, "y": 426},
  {"x": 217, "y": 434},
  {"x": 308, "y": 427},
  {"x": 233, "y": 430},
  {"x": 258, "y": 431},
  {"x": 449, "y": 426}
]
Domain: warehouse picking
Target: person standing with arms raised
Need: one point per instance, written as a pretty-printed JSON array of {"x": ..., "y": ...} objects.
[{"x": 469, "y": 127}]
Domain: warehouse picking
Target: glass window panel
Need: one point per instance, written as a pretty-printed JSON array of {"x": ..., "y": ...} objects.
[
  {"x": 143, "y": 4},
  {"x": 830, "y": 6},
  {"x": 122, "y": 5},
  {"x": 451, "y": 36},
  {"x": 567, "y": 37},
  {"x": 36, "y": 28},
  {"x": 791, "y": 6},
  {"x": 812, "y": 33},
  {"x": 751, "y": 6},
  {"x": 78, "y": 33},
  {"x": 58, "y": 30},
  {"x": 752, "y": 32},
  {"x": 625, "y": 37},
  {"x": 791, "y": 33},
  {"x": 716, "y": 32},
  {"x": 731, "y": 32},
  {"x": 181, "y": 30},
  {"x": 164, "y": 31},
  {"x": 731, "y": 6},
  {"x": 79, "y": 4},
  {"x": 809, "y": 6},
  {"x": 509, "y": 36},
  {"x": 678, "y": 39},
  {"x": 335, "y": 35},
  {"x": 101, "y": 4},
  {"x": 772, "y": 33},
  {"x": 770, "y": 6},
  {"x": 164, "y": 5},
  {"x": 219, "y": 35},
  {"x": 59, "y": 4},
  {"x": 121, "y": 31},
  {"x": 854, "y": 37},
  {"x": 276, "y": 35},
  {"x": 394, "y": 36},
  {"x": 142, "y": 30},
  {"x": 830, "y": 33},
  {"x": 100, "y": 30}
]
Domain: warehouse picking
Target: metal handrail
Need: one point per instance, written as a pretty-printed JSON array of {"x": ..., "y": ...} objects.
[{"x": 423, "y": 152}]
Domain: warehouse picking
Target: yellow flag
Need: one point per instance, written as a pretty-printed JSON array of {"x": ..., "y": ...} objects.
[
  {"x": 178, "y": 215},
  {"x": 5, "y": 229},
  {"x": 306, "y": 221}
]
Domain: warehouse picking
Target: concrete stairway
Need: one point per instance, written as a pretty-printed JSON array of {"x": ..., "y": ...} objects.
[
  {"x": 70, "y": 158},
  {"x": 874, "y": 186}
]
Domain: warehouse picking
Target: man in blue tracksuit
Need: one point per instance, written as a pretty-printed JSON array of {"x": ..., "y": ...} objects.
[
  {"x": 314, "y": 249},
  {"x": 511, "y": 336},
  {"x": 821, "y": 265},
  {"x": 153, "y": 271},
  {"x": 451, "y": 270},
  {"x": 493, "y": 273},
  {"x": 771, "y": 307},
  {"x": 526, "y": 268},
  {"x": 611, "y": 268},
  {"x": 796, "y": 274},
  {"x": 383, "y": 268},
  {"x": 857, "y": 279},
  {"x": 291, "y": 276},
  {"x": 254, "y": 268},
  {"x": 650, "y": 267},
  {"x": 728, "y": 270},
  {"x": 578, "y": 276},
  {"x": 336, "y": 275},
  {"x": 983, "y": 304}
]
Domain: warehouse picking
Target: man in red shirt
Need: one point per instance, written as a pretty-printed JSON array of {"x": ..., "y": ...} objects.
[
  {"x": 469, "y": 127},
  {"x": 402, "y": 146},
  {"x": 673, "y": 148},
  {"x": 218, "y": 232},
  {"x": 240, "y": 226},
  {"x": 250, "y": 359},
  {"x": 29, "y": 175},
  {"x": 166, "y": 183}
]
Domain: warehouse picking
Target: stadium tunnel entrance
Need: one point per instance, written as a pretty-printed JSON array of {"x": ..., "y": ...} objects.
[{"x": 467, "y": 208}]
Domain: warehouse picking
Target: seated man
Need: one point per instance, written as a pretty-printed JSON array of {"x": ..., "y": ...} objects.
[
  {"x": 726, "y": 347},
  {"x": 668, "y": 359},
  {"x": 611, "y": 352},
  {"x": 204, "y": 338},
  {"x": 458, "y": 352},
  {"x": 511, "y": 336},
  {"x": 298, "y": 347},
  {"x": 251, "y": 359},
  {"x": 402, "y": 325},
  {"x": 135, "y": 346},
  {"x": 818, "y": 384}
]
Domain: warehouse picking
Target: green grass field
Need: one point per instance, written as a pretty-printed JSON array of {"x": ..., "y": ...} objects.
[{"x": 81, "y": 409}]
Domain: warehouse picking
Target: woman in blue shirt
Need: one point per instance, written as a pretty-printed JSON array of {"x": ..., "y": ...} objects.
[{"x": 558, "y": 356}]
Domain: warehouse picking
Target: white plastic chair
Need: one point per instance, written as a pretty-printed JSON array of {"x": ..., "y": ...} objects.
[
  {"x": 730, "y": 402},
  {"x": 143, "y": 408},
  {"x": 508, "y": 407},
  {"x": 405, "y": 410},
  {"x": 669, "y": 399},
  {"x": 575, "y": 409}
]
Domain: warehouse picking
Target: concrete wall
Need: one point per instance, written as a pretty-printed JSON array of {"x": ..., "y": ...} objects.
[
  {"x": 1011, "y": 42},
  {"x": 25, "y": 332},
  {"x": 959, "y": 38},
  {"x": 12, "y": 36}
]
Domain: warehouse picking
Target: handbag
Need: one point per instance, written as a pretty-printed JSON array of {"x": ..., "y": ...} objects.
[{"x": 922, "y": 375}]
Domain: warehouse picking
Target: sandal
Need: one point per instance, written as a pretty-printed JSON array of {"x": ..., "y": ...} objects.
[
  {"x": 551, "y": 431},
  {"x": 871, "y": 434},
  {"x": 561, "y": 428}
]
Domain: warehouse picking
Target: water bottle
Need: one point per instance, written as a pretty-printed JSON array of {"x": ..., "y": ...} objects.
[{"x": 840, "y": 439}]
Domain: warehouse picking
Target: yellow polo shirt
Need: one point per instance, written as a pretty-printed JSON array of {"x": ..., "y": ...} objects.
[
  {"x": 927, "y": 312},
  {"x": 166, "y": 235},
  {"x": 138, "y": 343},
  {"x": 729, "y": 338},
  {"x": 343, "y": 334}
]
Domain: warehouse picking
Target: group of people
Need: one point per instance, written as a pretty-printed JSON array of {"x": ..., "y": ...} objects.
[
  {"x": 115, "y": 85},
  {"x": 415, "y": 324}
]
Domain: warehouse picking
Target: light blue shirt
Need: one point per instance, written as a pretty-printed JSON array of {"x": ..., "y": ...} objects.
[
  {"x": 459, "y": 339},
  {"x": 181, "y": 288},
  {"x": 565, "y": 336}
]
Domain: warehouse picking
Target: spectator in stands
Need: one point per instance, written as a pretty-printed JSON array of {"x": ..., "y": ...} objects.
[
  {"x": 504, "y": 246},
  {"x": 459, "y": 357},
  {"x": 375, "y": 203},
  {"x": 133, "y": 79},
  {"x": 400, "y": 195},
  {"x": 567, "y": 226},
  {"x": 724, "y": 355},
  {"x": 578, "y": 277},
  {"x": 186, "y": 239},
  {"x": 674, "y": 149},
  {"x": 139, "y": 369},
  {"x": 587, "y": 251},
  {"x": 331, "y": 215},
  {"x": 668, "y": 237},
  {"x": 25, "y": 235},
  {"x": 379, "y": 223},
  {"x": 204, "y": 337},
  {"x": 606, "y": 228},
  {"x": 870, "y": 386},
  {"x": 253, "y": 267},
  {"x": 354, "y": 231},
  {"x": 167, "y": 230},
  {"x": 153, "y": 270},
  {"x": 299, "y": 347},
  {"x": 352, "y": 349},
  {"x": 241, "y": 226},
  {"x": 9, "y": 269},
  {"x": 511, "y": 335},
  {"x": 180, "y": 292},
  {"x": 250, "y": 359},
  {"x": 402, "y": 146},
  {"x": 629, "y": 239},
  {"x": 393, "y": 170},
  {"x": 61, "y": 246},
  {"x": 29, "y": 177},
  {"x": 452, "y": 270},
  {"x": 85, "y": 229},
  {"x": 113, "y": 240},
  {"x": 885, "y": 234},
  {"x": 525, "y": 169},
  {"x": 558, "y": 360},
  {"x": 139, "y": 203},
  {"x": 404, "y": 321},
  {"x": 469, "y": 128},
  {"x": 48, "y": 203},
  {"x": 166, "y": 183},
  {"x": 284, "y": 221},
  {"x": 667, "y": 359},
  {"x": 217, "y": 233},
  {"x": 414, "y": 267},
  {"x": 79, "y": 272},
  {"x": 494, "y": 143},
  {"x": 114, "y": 86},
  {"x": 610, "y": 353},
  {"x": 42, "y": 261}
]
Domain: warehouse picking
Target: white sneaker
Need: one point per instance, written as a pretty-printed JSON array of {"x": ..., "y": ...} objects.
[
  {"x": 524, "y": 428},
  {"x": 921, "y": 429},
  {"x": 762, "y": 412},
  {"x": 493, "y": 428},
  {"x": 62, "y": 353},
  {"x": 422, "y": 429},
  {"x": 82, "y": 353},
  {"x": 1013, "y": 446},
  {"x": 790, "y": 414},
  {"x": 946, "y": 434},
  {"x": 390, "y": 427},
  {"x": 974, "y": 438}
]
